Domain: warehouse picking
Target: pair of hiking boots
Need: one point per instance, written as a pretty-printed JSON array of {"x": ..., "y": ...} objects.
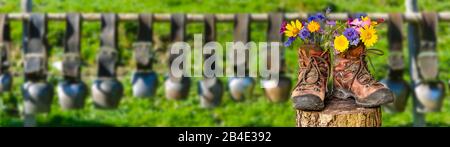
[{"x": 351, "y": 78}]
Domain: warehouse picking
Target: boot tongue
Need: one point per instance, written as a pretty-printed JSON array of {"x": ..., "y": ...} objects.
[
  {"x": 355, "y": 52},
  {"x": 313, "y": 50},
  {"x": 313, "y": 75},
  {"x": 316, "y": 53}
]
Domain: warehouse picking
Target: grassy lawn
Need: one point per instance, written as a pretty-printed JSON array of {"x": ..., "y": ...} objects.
[{"x": 161, "y": 112}]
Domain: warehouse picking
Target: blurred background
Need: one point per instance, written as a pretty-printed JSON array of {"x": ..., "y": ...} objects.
[{"x": 158, "y": 111}]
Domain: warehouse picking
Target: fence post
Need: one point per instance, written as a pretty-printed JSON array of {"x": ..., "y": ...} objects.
[
  {"x": 26, "y": 6},
  {"x": 413, "y": 40}
]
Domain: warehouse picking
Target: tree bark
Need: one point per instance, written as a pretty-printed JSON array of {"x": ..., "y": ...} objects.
[{"x": 340, "y": 113}]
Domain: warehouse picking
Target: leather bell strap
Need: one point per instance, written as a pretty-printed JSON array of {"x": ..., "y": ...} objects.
[
  {"x": 109, "y": 55},
  {"x": 395, "y": 31},
  {"x": 5, "y": 40},
  {"x": 427, "y": 59},
  {"x": 142, "y": 48},
  {"x": 178, "y": 27},
  {"x": 35, "y": 62},
  {"x": 72, "y": 61},
  {"x": 395, "y": 40},
  {"x": 274, "y": 35},
  {"x": 241, "y": 34},
  {"x": 210, "y": 28},
  {"x": 177, "y": 34},
  {"x": 210, "y": 35},
  {"x": 145, "y": 30},
  {"x": 428, "y": 31}
]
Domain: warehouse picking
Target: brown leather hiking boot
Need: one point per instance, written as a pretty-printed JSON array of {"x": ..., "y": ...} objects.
[
  {"x": 353, "y": 79},
  {"x": 309, "y": 93}
]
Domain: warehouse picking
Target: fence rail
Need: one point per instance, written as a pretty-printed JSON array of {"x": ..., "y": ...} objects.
[{"x": 165, "y": 17}]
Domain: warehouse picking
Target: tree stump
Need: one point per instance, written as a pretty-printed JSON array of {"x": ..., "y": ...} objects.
[{"x": 340, "y": 113}]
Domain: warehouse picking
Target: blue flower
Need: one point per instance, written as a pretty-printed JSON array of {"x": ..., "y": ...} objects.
[
  {"x": 320, "y": 16},
  {"x": 352, "y": 35},
  {"x": 289, "y": 41},
  {"x": 304, "y": 33},
  {"x": 311, "y": 18}
]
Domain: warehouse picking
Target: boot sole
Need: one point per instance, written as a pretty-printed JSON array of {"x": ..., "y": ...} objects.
[
  {"x": 380, "y": 100},
  {"x": 308, "y": 103}
]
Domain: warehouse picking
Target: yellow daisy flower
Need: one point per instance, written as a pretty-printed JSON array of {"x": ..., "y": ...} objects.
[
  {"x": 293, "y": 29},
  {"x": 374, "y": 23},
  {"x": 313, "y": 26},
  {"x": 369, "y": 36},
  {"x": 365, "y": 18},
  {"x": 341, "y": 43}
]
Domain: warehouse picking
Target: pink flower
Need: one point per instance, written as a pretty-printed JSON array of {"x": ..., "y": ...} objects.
[
  {"x": 356, "y": 24},
  {"x": 349, "y": 20},
  {"x": 283, "y": 27},
  {"x": 366, "y": 21}
]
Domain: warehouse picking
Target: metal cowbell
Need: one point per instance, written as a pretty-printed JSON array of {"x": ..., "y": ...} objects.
[
  {"x": 144, "y": 84},
  {"x": 107, "y": 91},
  {"x": 210, "y": 88},
  {"x": 72, "y": 95},
  {"x": 401, "y": 92},
  {"x": 430, "y": 91},
  {"x": 395, "y": 80},
  {"x": 430, "y": 95},
  {"x": 38, "y": 97},
  {"x": 177, "y": 90},
  {"x": 72, "y": 91},
  {"x": 36, "y": 91},
  {"x": 144, "y": 80},
  {"x": 210, "y": 91},
  {"x": 241, "y": 87},
  {"x": 177, "y": 86},
  {"x": 6, "y": 79},
  {"x": 277, "y": 90}
]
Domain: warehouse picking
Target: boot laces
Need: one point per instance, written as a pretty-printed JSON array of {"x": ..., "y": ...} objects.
[
  {"x": 362, "y": 74},
  {"x": 314, "y": 70}
]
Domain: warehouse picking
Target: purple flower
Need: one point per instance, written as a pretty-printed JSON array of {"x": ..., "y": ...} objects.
[
  {"x": 320, "y": 16},
  {"x": 283, "y": 27},
  {"x": 331, "y": 22},
  {"x": 304, "y": 33},
  {"x": 352, "y": 35},
  {"x": 289, "y": 41}
]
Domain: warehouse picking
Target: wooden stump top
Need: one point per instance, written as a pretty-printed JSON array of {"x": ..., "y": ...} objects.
[{"x": 340, "y": 113}]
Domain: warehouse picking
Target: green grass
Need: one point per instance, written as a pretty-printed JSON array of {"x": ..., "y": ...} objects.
[{"x": 161, "y": 112}]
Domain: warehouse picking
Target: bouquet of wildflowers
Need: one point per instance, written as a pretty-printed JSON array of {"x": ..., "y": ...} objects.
[
  {"x": 326, "y": 33},
  {"x": 317, "y": 30},
  {"x": 358, "y": 31}
]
